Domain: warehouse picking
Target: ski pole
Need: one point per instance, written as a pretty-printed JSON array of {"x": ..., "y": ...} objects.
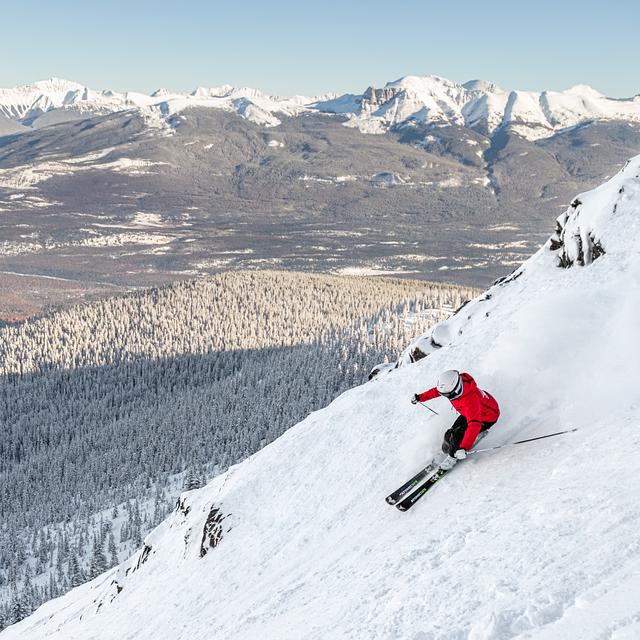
[
  {"x": 430, "y": 409},
  {"x": 509, "y": 444}
]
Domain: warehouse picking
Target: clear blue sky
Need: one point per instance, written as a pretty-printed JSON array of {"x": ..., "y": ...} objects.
[{"x": 285, "y": 47}]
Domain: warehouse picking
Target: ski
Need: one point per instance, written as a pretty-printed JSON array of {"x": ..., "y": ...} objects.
[
  {"x": 436, "y": 473},
  {"x": 402, "y": 491},
  {"x": 410, "y": 500}
]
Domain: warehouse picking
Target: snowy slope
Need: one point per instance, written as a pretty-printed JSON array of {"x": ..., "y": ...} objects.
[
  {"x": 536, "y": 541},
  {"x": 9, "y": 127},
  {"x": 433, "y": 100}
]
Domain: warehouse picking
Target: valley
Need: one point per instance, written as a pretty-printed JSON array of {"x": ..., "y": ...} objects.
[{"x": 140, "y": 196}]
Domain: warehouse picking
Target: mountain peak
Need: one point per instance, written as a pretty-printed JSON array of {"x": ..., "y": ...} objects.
[
  {"x": 53, "y": 85},
  {"x": 216, "y": 92},
  {"x": 423, "y": 83},
  {"x": 482, "y": 86},
  {"x": 583, "y": 90}
]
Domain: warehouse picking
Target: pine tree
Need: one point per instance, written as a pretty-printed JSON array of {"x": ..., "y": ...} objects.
[
  {"x": 54, "y": 590},
  {"x": 191, "y": 481},
  {"x": 158, "y": 510},
  {"x": 27, "y": 598},
  {"x": 113, "y": 552},
  {"x": 98, "y": 564},
  {"x": 76, "y": 575},
  {"x": 135, "y": 525},
  {"x": 18, "y": 610}
]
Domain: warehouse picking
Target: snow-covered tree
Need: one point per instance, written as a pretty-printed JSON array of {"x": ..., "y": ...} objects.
[
  {"x": 98, "y": 564},
  {"x": 104, "y": 401}
]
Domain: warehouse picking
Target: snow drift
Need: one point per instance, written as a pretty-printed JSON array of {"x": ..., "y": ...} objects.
[{"x": 539, "y": 540}]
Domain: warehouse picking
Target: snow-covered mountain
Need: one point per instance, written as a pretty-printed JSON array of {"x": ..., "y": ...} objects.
[
  {"x": 536, "y": 541},
  {"x": 477, "y": 105},
  {"x": 56, "y": 100}
]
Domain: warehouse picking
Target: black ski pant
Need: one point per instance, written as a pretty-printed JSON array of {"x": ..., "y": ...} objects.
[{"x": 454, "y": 436}]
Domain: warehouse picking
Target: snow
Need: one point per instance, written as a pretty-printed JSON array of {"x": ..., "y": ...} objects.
[
  {"x": 537, "y": 541},
  {"x": 120, "y": 239},
  {"x": 449, "y": 183},
  {"x": 380, "y": 180},
  {"x": 147, "y": 219},
  {"x": 30, "y": 175},
  {"x": 523, "y": 111},
  {"x": 479, "y": 104},
  {"x": 371, "y": 271},
  {"x": 411, "y": 99}
]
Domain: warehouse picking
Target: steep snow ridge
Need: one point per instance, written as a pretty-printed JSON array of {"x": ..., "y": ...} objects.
[
  {"x": 602, "y": 221},
  {"x": 485, "y": 112},
  {"x": 248, "y": 103},
  {"x": 536, "y": 541},
  {"x": 430, "y": 99},
  {"x": 525, "y": 116},
  {"x": 16, "y": 102}
]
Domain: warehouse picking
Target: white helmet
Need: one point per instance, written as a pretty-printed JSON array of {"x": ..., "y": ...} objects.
[{"x": 449, "y": 384}]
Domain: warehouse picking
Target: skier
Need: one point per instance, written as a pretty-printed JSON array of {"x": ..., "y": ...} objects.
[{"x": 478, "y": 411}]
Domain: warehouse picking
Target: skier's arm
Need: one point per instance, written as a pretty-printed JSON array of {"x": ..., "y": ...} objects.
[{"x": 429, "y": 395}]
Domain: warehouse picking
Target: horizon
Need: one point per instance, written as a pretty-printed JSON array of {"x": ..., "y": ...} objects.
[{"x": 298, "y": 93}]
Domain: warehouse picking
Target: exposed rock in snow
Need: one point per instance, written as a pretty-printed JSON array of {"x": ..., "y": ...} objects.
[{"x": 594, "y": 224}]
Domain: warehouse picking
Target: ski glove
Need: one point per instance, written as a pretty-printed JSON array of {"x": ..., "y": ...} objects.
[
  {"x": 460, "y": 454},
  {"x": 415, "y": 398}
]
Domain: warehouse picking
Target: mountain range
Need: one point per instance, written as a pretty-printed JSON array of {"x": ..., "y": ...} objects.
[
  {"x": 478, "y": 105},
  {"x": 425, "y": 178}
]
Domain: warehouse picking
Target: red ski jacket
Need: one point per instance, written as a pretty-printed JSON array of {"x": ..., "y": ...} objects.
[{"x": 476, "y": 405}]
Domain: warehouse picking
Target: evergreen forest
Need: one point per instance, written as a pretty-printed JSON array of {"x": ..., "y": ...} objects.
[{"x": 109, "y": 409}]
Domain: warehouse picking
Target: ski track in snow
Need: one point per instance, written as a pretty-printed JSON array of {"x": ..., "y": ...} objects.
[{"x": 537, "y": 541}]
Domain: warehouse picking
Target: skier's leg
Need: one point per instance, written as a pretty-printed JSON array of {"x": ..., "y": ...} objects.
[
  {"x": 451, "y": 442},
  {"x": 453, "y": 436}
]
